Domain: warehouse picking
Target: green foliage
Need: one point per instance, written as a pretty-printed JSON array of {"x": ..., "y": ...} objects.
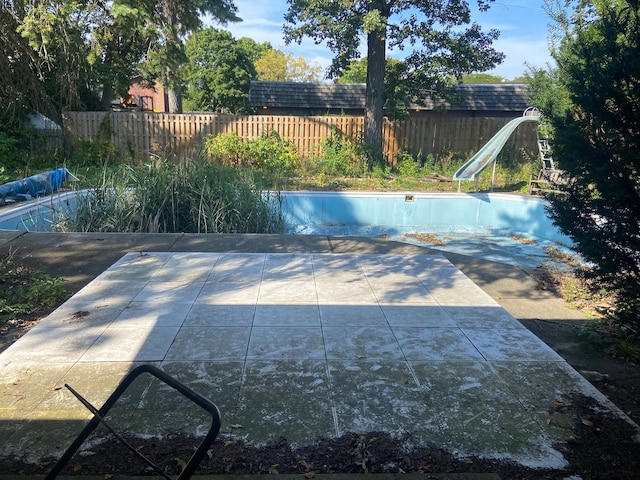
[
  {"x": 22, "y": 291},
  {"x": 445, "y": 49},
  {"x": 196, "y": 197},
  {"x": 279, "y": 66},
  {"x": 95, "y": 153},
  {"x": 59, "y": 55},
  {"x": 24, "y": 152},
  {"x": 269, "y": 153},
  {"x": 596, "y": 140},
  {"x": 408, "y": 166},
  {"x": 218, "y": 74},
  {"x": 481, "y": 78},
  {"x": 339, "y": 155},
  {"x": 273, "y": 154},
  {"x": 355, "y": 72}
]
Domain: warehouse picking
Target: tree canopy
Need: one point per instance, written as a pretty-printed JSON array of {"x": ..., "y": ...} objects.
[
  {"x": 278, "y": 66},
  {"x": 61, "y": 55},
  {"x": 449, "y": 44},
  {"x": 592, "y": 102},
  {"x": 218, "y": 72}
]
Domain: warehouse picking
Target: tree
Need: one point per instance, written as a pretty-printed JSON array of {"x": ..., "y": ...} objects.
[
  {"x": 218, "y": 73},
  {"x": 595, "y": 114},
  {"x": 45, "y": 46},
  {"x": 80, "y": 52},
  {"x": 355, "y": 72},
  {"x": 279, "y": 66},
  {"x": 21, "y": 89},
  {"x": 253, "y": 49},
  {"x": 175, "y": 19},
  {"x": 481, "y": 78},
  {"x": 446, "y": 48}
]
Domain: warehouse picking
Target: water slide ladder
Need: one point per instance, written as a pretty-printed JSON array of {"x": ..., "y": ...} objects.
[{"x": 489, "y": 152}]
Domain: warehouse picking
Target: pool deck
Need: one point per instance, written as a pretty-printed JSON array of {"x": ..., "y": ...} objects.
[{"x": 299, "y": 337}]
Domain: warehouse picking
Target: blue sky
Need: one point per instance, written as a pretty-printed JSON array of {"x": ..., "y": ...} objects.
[{"x": 522, "y": 23}]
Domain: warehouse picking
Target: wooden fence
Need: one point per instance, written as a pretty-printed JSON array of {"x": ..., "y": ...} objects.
[{"x": 182, "y": 135}]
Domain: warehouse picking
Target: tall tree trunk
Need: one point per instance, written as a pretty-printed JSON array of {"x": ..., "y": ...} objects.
[
  {"x": 175, "y": 100},
  {"x": 173, "y": 45},
  {"x": 174, "y": 93},
  {"x": 107, "y": 95},
  {"x": 374, "y": 102}
]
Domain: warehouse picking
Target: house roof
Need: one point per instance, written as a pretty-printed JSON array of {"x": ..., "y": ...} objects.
[{"x": 510, "y": 97}]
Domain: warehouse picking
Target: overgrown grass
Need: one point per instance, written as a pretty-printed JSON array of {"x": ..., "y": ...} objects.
[{"x": 163, "y": 197}]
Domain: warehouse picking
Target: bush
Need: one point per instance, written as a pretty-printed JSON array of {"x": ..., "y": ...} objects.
[
  {"x": 24, "y": 152},
  {"x": 93, "y": 153},
  {"x": 227, "y": 148},
  {"x": 269, "y": 153},
  {"x": 408, "y": 166}
]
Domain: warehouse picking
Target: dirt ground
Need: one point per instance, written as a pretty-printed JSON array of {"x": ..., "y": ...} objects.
[{"x": 601, "y": 447}]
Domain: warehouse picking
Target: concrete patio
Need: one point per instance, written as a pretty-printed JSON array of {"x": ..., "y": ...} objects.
[{"x": 296, "y": 345}]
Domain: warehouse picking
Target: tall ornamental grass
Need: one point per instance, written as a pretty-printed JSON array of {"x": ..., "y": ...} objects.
[{"x": 192, "y": 197}]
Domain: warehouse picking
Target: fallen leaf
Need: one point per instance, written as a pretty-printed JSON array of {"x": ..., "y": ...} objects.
[
  {"x": 108, "y": 476},
  {"x": 558, "y": 403},
  {"x": 236, "y": 425},
  {"x": 309, "y": 475},
  {"x": 86, "y": 453},
  {"x": 228, "y": 443},
  {"x": 586, "y": 422},
  {"x": 78, "y": 468},
  {"x": 181, "y": 463},
  {"x": 373, "y": 439},
  {"x": 303, "y": 466}
]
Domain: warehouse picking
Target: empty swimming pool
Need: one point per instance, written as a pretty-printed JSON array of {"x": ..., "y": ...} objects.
[{"x": 497, "y": 226}]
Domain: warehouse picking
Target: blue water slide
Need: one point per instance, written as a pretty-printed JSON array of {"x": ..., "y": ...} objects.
[{"x": 488, "y": 153}]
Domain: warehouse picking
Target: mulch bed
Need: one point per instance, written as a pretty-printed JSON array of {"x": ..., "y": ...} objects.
[{"x": 601, "y": 447}]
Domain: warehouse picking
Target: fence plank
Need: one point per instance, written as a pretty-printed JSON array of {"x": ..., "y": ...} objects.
[{"x": 181, "y": 136}]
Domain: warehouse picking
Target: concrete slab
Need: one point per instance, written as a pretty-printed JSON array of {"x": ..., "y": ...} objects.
[{"x": 300, "y": 345}]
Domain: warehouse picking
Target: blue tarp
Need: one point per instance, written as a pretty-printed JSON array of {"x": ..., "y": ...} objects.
[{"x": 35, "y": 186}]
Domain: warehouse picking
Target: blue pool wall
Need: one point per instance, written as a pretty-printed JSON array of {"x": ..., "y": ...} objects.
[{"x": 408, "y": 212}]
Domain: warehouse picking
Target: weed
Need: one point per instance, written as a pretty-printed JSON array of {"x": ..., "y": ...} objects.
[
  {"x": 338, "y": 155},
  {"x": 408, "y": 166},
  {"x": 23, "y": 291},
  {"x": 195, "y": 197},
  {"x": 270, "y": 153}
]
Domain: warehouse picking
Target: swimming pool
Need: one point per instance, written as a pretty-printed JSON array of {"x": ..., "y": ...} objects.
[{"x": 497, "y": 226}]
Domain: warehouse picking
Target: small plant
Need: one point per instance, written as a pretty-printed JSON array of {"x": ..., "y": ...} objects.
[
  {"x": 408, "y": 166},
  {"x": 23, "y": 292}
]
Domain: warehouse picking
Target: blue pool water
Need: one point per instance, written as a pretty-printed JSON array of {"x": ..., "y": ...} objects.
[{"x": 496, "y": 226}]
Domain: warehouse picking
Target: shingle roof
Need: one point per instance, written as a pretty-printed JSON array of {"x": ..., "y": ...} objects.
[{"x": 477, "y": 97}]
